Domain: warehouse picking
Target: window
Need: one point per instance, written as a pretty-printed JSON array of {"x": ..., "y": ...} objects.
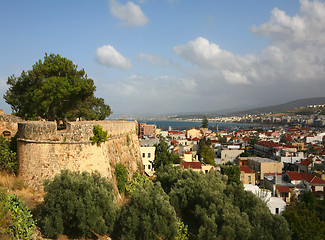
[
  {"x": 143, "y": 155},
  {"x": 249, "y": 178},
  {"x": 149, "y": 166},
  {"x": 149, "y": 155},
  {"x": 276, "y": 210}
]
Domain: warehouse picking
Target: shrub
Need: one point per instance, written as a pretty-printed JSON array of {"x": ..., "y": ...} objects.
[
  {"x": 99, "y": 135},
  {"x": 4, "y": 215},
  {"x": 121, "y": 174},
  {"x": 147, "y": 216},
  {"x": 8, "y": 157},
  {"x": 21, "y": 224},
  {"x": 136, "y": 180},
  {"x": 78, "y": 205}
]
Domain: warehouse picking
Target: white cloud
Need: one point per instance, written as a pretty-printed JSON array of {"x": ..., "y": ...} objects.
[
  {"x": 153, "y": 59},
  {"x": 108, "y": 56},
  {"x": 130, "y": 13},
  {"x": 297, "y": 53},
  {"x": 210, "y": 56},
  {"x": 291, "y": 67}
]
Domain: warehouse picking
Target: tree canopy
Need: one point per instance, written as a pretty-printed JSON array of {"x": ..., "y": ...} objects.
[
  {"x": 163, "y": 155},
  {"x": 78, "y": 205},
  {"x": 54, "y": 89},
  {"x": 148, "y": 215},
  {"x": 205, "y": 122},
  {"x": 214, "y": 209},
  {"x": 205, "y": 151}
]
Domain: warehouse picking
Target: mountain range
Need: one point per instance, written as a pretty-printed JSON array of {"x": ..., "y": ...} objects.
[{"x": 260, "y": 110}]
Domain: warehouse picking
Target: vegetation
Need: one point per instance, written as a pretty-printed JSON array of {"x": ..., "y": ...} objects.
[
  {"x": 137, "y": 179},
  {"x": 121, "y": 175},
  {"x": 307, "y": 218},
  {"x": 55, "y": 90},
  {"x": 78, "y": 205},
  {"x": 16, "y": 220},
  {"x": 205, "y": 152},
  {"x": 100, "y": 135},
  {"x": 8, "y": 156},
  {"x": 233, "y": 173},
  {"x": 4, "y": 215},
  {"x": 163, "y": 155},
  {"x": 205, "y": 122},
  {"x": 214, "y": 209},
  {"x": 148, "y": 215}
]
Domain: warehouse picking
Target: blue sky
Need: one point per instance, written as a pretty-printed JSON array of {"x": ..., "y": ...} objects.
[{"x": 170, "y": 56}]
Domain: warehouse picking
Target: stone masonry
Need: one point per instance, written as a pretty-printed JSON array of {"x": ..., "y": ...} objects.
[{"x": 43, "y": 150}]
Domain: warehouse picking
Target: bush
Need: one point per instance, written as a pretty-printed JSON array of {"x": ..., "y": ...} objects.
[
  {"x": 121, "y": 174},
  {"x": 4, "y": 215},
  {"x": 18, "y": 219},
  {"x": 147, "y": 216},
  {"x": 78, "y": 205},
  {"x": 8, "y": 157},
  {"x": 99, "y": 135}
]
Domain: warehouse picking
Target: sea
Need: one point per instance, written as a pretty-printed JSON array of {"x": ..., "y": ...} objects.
[{"x": 184, "y": 125}]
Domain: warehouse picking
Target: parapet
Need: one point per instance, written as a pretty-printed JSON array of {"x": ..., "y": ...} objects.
[{"x": 74, "y": 131}]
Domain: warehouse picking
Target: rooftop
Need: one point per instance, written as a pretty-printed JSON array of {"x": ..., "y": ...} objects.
[{"x": 262, "y": 160}]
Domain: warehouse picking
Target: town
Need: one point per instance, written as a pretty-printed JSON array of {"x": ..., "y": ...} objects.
[{"x": 281, "y": 162}]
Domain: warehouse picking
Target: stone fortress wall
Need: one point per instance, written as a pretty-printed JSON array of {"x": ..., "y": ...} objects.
[
  {"x": 8, "y": 124},
  {"x": 43, "y": 150}
]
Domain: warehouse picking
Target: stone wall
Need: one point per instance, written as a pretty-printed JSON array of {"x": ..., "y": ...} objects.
[
  {"x": 43, "y": 150},
  {"x": 9, "y": 123}
]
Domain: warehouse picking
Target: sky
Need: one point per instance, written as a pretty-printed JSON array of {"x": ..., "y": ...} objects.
[{"x": 174, "y": 56}]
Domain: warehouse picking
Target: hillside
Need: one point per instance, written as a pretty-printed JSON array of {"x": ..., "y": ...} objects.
[{"x": 283, "y": 107}]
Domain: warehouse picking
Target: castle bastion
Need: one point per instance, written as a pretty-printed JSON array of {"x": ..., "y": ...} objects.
[{"x": 43, "y": 151}]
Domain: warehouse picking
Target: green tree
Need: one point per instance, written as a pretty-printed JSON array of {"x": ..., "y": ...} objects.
[
  {"x": 304, "y": 223},
  {"x": 78, "y": 205},
  {"x": 306, "y": 218},
  {"x": 252, "y": 140},
  {"x": 205, "y": 152},
  {"x": 163, "y": 155},
  {"x": 54, "y": 89},
  {"x": 147, "y": 216},
  {"x": 121, "y": 175},
  {"x": 205, "y": 122},
  {"x": 233, "y": 173},
  {"x": 214, "y": 209}
]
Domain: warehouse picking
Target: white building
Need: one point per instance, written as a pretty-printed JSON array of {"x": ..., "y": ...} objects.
[
  {"x": 148, "y": 156},
  {"x": 275, "y": 204}
]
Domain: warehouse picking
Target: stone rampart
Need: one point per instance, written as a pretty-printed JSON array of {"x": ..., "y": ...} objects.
[
  {"x": 43, "y": 150},
  {"x": 8, "y": 125}
]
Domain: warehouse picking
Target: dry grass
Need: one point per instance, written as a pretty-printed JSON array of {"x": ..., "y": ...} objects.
[
  {"x": 14, "y": 184},
  {"x": 8, "y": 181}
]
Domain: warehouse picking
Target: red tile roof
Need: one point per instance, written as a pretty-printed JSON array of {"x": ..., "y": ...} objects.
[
  {"x": 193, "y": 165},
  {"x": 174, "y": 142},
  {"x": 312, "y": 179},
  {"x": 294, "y": 176},
  {"x": 283, "y": 189},
  {"x": 173, "y": 132},
  {"x": 195, "y": 139},
  {"x": 246, "y": 169},
  {"x": 306, "y": 162}
]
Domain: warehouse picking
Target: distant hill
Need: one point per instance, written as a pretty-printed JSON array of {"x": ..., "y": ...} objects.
[
  {"x": 260, "y": 110},
  {"x": 283, "y": 107}
]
